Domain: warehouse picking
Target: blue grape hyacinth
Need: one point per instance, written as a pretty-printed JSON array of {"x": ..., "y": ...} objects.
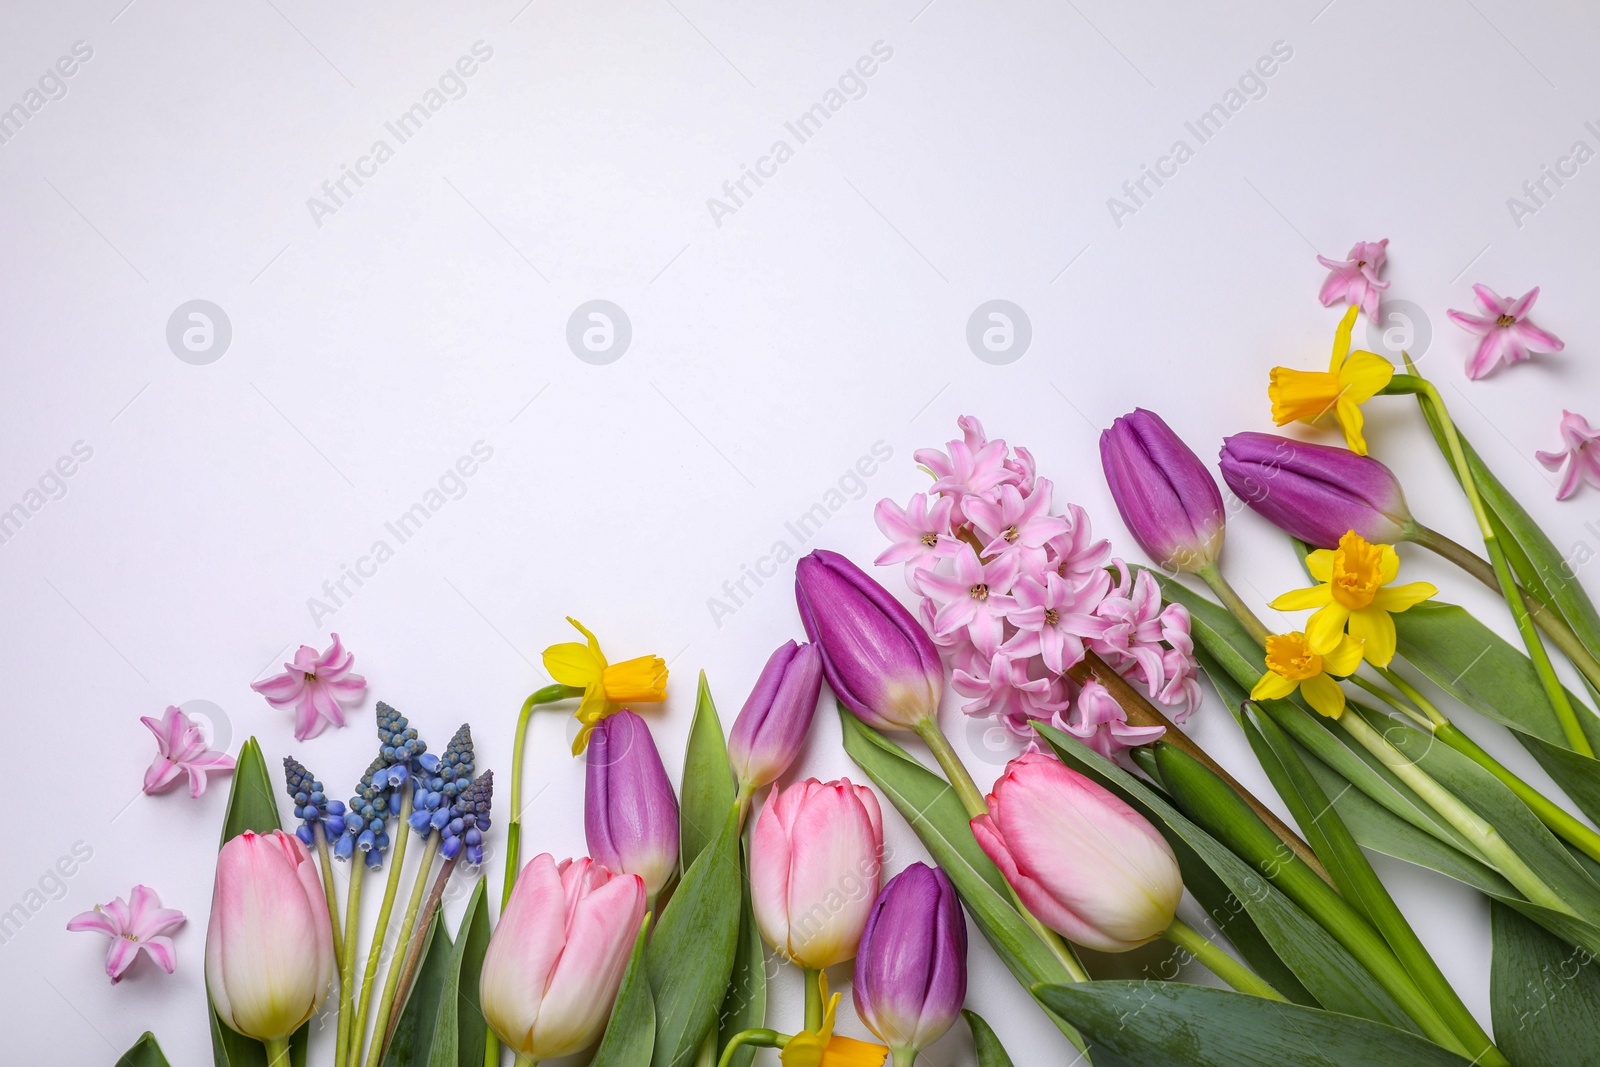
[
  {"x": 311, "y": 804},
  {"x": 469, "y": 820},
  {"x": 440, "y": 780}
]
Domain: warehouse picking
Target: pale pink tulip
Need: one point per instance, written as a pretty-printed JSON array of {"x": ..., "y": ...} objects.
[
  {"x": 557, "y": 957},
  {"x": 269, "y": 948},
  {"x": 137, "y": 924},
  {"x": 182, "y": 750},
  {"x": 1089, "y": 866},
  {"x": 815, "y": 861}
]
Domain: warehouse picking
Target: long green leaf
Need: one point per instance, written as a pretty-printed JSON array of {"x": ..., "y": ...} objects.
[
  {"x": 708, "y": 790},
  {"x": 630, "y": 1036},
  {"x": 990, "y": 1052},
  {"x": 745, "y": 1007},
  {"x": 928, "y": 803},
  {"x": 691, "y": 955},
  {"x": 413, "y": 1034},
  {"x": 1332, "y": 975},
  {"x": 1160, "y": 1023},
  {"x": 459, "y": 1028},
  {"x": 145, "y": 1052},
  {"x": 1543, "y": 993}
]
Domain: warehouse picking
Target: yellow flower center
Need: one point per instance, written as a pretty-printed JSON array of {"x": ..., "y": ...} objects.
[
  {"x": 930, "y": 539},
  {"x": 1011, "y": 535},
  {"x": 1290, "y": 656},
  {"x": 1505, "y": 320},
  {"x": 980, "y": 592},
  {"x": 1051, "y": 616},
  {"x": 1356, "y": 577}
]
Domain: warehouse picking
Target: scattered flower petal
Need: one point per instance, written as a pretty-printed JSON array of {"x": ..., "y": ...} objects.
[
  {"x": 314, "y": 685},
  {"x": 182, "y": 750},
  {"x": 1581, "y": 455},
  {"x": 134, "y": 925}
]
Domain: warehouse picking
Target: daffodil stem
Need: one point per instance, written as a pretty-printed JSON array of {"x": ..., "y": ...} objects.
[
  {"x": 375, "y": 952},
  {"x": 277, "y": 1052},
  {"x": 754, "y": 1038},
  {"x": 1396, "y": 703},
  {"x": 548, "y": 695},
  {"x": 326, "y": 864},
  {"x": 1554, "y": 690},
  {"x": 1217, "y": 961},
  {"x": 408, "y": 924},
  {"x": 347, "y": 971},
  {"x": 813, "y": 999},
  {"x": 1211, "y": 574}
]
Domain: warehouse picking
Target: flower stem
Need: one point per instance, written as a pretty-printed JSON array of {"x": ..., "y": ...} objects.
[
  {"x": 813, "y": 979},
  {"x": 358, "y": 1031},
  {"x": 755, "y": 1038},
  {"x": 321, "y": 838},
  {"x": 1422, "y": 720},
  {"x": 1211, "y": 574},
  {"x": 1554, "y": 690},
  {"x": 408, "y": 929},
  {"x": 277, "y": 1051},
  {"x": 548, "y": 695},
  {"x": 408, "y": 970},
  {"x": 347, "y": 972},
  {"x": 903, "y": 1057},
  {"x": 1219, "y": 962}
]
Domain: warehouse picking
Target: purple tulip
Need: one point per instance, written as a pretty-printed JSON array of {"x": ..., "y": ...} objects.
[
  {"x": 911, "y": 967},
  {"x": 1167, "y": 498},
  {"x": 630, "y": 814},
  {"x": 772, "y": 725},
  {"x": 881, "y": 664},
  {"x": 1315, "y": 492}
]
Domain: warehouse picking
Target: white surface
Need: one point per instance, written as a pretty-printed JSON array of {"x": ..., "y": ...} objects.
[{"x": 769, "y": 353}]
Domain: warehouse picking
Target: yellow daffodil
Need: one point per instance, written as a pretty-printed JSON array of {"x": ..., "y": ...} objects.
[
  {"x": 606, "y": 686},
  {"x": 1355, "y": 588},
  {"x": 823, "y": 1049},
  {"x": 1291, "y": 665},
  {"x": 1352, "y": 378}
]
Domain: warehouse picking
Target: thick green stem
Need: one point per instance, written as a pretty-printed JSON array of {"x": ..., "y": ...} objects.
[
  {"x": 754, "y": 1038},
  {"x": 548, "y": 695},
  {"x": 347, "y": 972},
  {"x": 321, "y": 839},
  {"x": 1554, "y": 690},
  {"x": 1211, "y": 574},
  {"x": 813, "y": 999},
  {"x": 402, "y": 948},
  {"x": 1545, "y": 617},
  {"x": 1426, "y": 723},
  {"x": 277, "y": 1052},
  {"x": 903, "y": 1057},
  {"x": 1219, "y": 962},
  {"x": 358, "y": 1031},
  {"x": 491, "y": 1049}
]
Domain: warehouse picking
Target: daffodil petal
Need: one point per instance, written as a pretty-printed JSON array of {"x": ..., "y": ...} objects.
[
  {"x": 1401, "y": 597},
  {"x": 1388, "y": 564},
  {"x": 849, "y": 1052},
  {"x": 594, "y": 642},
  {"x": 1323, "y": 694},
  {"x": 1375, "y": 628},
  {"x": 1320, "y": 564},
  {"x": 1303, "y": 599},
  {"x": 1272, "y": 686},
  {"x": 1343, "y": 660},
  {"x": 573, "y": 664},
  {"x": 1363, "y": 376},
  {"x": 1348, "y": 412},
  {"x": 1326, "y": 627},
  {"x": 1341, "y": 339}
]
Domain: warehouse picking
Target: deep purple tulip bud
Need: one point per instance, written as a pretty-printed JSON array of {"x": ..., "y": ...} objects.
[
  {"x": 772, "y": 725},
  {"x": 1167, "y": 498},
  {"x": 1315, "y": 492},
  {"x": 630, "y": 814},
  {"x": 880, "y": 663},
  {"x": 911, "y": 968}
]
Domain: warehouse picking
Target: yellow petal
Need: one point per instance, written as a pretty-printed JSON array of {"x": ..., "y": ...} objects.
[
  {"x": 1388, "y": 564},
  {"x": 1401, "y": 597},
  {"x": 1320, "y": 564},
  {"x": 1341, "y": 339},
  {"x": 1325, "y": 628},
  {"x": 1345, "y": 659},
  {"x": 1348, "y": 412},
  {"x": 642, "y": 680},
  {"x": 573, "y": 664},
  {"x": 1363, "y": 376},
  {"x": 1375, "y": 628},
  {"x": 1301, "y": 395},
  {"x": 1272, "y": 686},
  {"x": 1303, "y": 599},
  {"x": 1324, "y": 695},
  {"x": 848, "y": 1052}
]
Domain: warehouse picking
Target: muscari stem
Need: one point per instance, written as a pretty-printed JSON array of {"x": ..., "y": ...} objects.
[
  {"x": 358, "y": 1031},
  {"x": 1554, "y": 690},
  {"x": 347, "y": 972},
  {"x": 548, "y": 695},
  {"x": 326, "y": 863},
  {"x": 408, "y": 971},
  {"x": 408, "y": 928},
  {"x": 1219, "y": 962},
  {"x": 972, "y": 800}
]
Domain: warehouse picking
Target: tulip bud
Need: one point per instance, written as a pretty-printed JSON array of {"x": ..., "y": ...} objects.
[
  {"x": 814, "y": 866},
  {"x": 1090, "y": 867},
  {"x": 772, "y": 725},
  {"x": 881, "y": 664},
  {"x": 1167, "y": 498},
  {"x": 630, "y": 814},
  {"x": 1315, "y": 492},
  {"x": 911, "y": 969},
  {"x": 269, "y": 947},
  {"x": 557, "y": 956}
]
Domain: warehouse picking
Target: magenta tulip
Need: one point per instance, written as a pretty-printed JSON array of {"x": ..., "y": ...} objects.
[
  {"x": 772, "y": 725},
  {"x": 630, "y": 814},
  {"x": 269, "y": 948},
  {"x": 1316, "y": 492},
  {"x": 911, "y": 970},
  {"x": 1089, "y": 866},
  {"x": 1167, "y": 498},
  {"x": 557, "y": 957},
  {"x": 815, "y": 858}
]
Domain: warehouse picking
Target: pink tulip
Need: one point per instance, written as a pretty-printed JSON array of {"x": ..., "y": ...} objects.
[
  {"x": 1090, "y": 867},
  {"x": 815, "y": 859},
  {"x": 269, "y": 948},
  {"x": 558, "y": 955}
]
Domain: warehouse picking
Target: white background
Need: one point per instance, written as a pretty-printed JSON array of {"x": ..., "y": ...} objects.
[{"x": 769, "y": 353}]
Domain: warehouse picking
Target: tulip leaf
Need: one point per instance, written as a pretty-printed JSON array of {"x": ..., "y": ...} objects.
[
  {"x": 692, "y": 953},
  {"x": 630, "y": 1036},
  {"x": 745, "y": 1007},
  {"x": 927, "y": 802},
  {"x": 990, "y": 1052},
  {"x": 1544, "y": 994},
  {"x": 1151, "y": 1023},
  {"x": 413, "y": 1034},
  {"x": 146, "y": 1052},
  {"x": 1332, "y": 975},
  {"x": 707, "y": 792},
  {"x": 458, "y": 1028},
  {"x": 253, "y": 806}
]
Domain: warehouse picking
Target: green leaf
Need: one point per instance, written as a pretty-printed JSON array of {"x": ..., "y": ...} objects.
[
  {"x": 927, "y": 802},
  {"x": 458, "y": 1028},
  {"x": 990, "y": 1052},
  {"x": 252, "y": 805},
  {"x": 708, "y": 790},
  {"x": 1161, "y": 1023},
  {"x": 144, "y": 1053},
  {"x": 631, "y": 1033},
  {"x": 691, "y": 955},
  {"x": 413, "y": 1034},
  {"x": 1543, "y": 993},
  {"x": 745, "y": 1007},
  {"x": 1333, "y": 976}
]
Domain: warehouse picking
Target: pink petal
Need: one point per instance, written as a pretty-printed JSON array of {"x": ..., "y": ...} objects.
[
  {"x": 95, "y": 920},
  {"x": 1537, "y": 339},
  {"x": 1490, "y": 300},
  {"x": 120, "y": 956},
  {"x": 281, "y": 689},
  {"x": 160, "y": 950},
  {"x": 1520, "y": 306},
  {"x": 161, "y": 775}
]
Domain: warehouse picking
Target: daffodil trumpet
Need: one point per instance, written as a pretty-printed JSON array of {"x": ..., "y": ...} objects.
[{"x": 1352, "y": 378}]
